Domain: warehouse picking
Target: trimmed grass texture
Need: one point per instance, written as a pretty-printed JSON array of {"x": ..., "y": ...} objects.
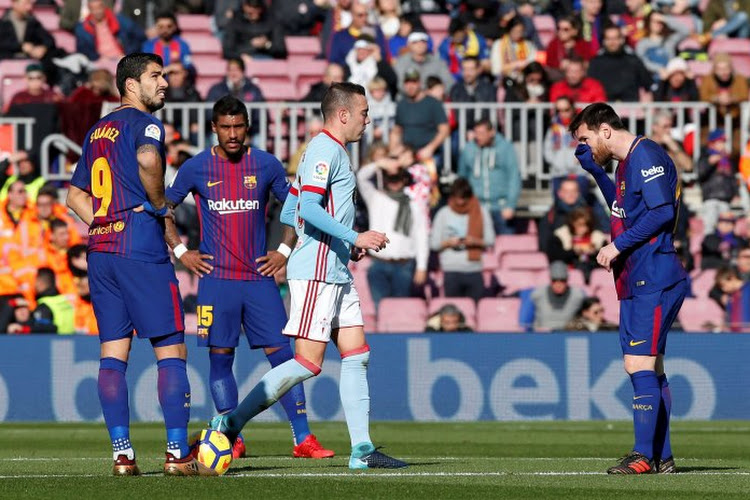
[{"x": 560, "y": 460}]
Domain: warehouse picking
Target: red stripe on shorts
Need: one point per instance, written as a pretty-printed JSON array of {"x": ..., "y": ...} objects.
[
  {"x": 179, "y": 326},
  {"x": 655, "y": 333}
]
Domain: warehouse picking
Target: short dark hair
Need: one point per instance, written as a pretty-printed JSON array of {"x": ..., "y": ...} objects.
[
  {"x": 57, "y": 223},
  {"x": 725, "y": 273},
  {"x": 433, "y": 81},
  {"x": 461, "y": 189},
  {"x": 74, "y": 252},
  {"x": 47, "y": 275},
  {"x": 484, "y": 122},
  {"x": 457, "y": 24},
  {"x": 473, "y": 59},
  {"x": 594, "y": 116},
  {"x": 48, "y": 189},
  {"x": 587, "y": 303},
  {"x": 229, "y": 105},
  {"x": 165, "y": 14},
  {"x": 238, "y": 61},
  {"x": 133, "y": 66},
  {"x": 339, "y": 95}
]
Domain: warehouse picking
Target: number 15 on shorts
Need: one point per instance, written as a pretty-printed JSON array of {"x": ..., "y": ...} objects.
[{"x": 205, "y": 319}]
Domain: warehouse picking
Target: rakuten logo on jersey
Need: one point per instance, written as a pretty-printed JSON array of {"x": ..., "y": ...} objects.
[
  {"x": 652, "y": 173},
  {"x": 224, "y": 206}
]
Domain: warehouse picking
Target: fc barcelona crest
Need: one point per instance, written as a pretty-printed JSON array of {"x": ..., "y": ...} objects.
[
  {"x": 622, "y": 188},
  {"x": 250, "y": 182}
]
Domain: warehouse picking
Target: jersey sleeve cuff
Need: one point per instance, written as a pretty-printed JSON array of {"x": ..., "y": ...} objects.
[
  {"x": 314, "y": 189},
  {"x": 293, "y": 191}
]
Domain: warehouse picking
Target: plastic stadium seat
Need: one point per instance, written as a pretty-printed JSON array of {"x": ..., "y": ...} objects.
[
  {"x": 204, "y": 83},
  {"x": 359, "y": 271},
  {"x": 407, "y": 315},
  {"x": 546, "y": 28},
  {"x": 48, "y": 17},
  {"x": 204, "y": 43},
  {"x": 302, "y": 47},
  {"x": 191, "y": 324},
  {"x": 608, "y": 298},
  {"x": 695, "y": 313},
  {"x": 696, "y": 225},
  {"x": 466, "y": 305},
  {"x": 516, "y": 243},
  {"x": 278, "y": 91},
  {"x": 489, "y": 261},
  {"x": 741, "y": 64},
  {"x": 600, "y": 278},
  {"x": 498, "y": 315},
  {"x": 704, "y": 282},
  {"x": 576, "y": 278},
  {"x": 436, "y": 25},
  {"x": 307, "y": 72},
  {"x": 700, "y": 68},
  {"x": 729, "y": 45},
  {"x": 524, "y": 260},
  {"x": 194, "y": 23},
  {"x": 188, "y": 283},
  {"x": 65, "y": 40},
  {"x": 14, "y": 67},
  {"x": 515, "y": 280},
  {"x": 210, "y": 65}
]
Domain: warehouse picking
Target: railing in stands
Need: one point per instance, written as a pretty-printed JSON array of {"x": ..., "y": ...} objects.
[
  {"x": 62, "y": 146},
  {"x": 17, "y": 133}
]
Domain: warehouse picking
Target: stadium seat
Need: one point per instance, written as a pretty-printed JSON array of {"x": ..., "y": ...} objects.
[
  {"x": 700, "y": 68},
  {"x": 65, "y": 40},
  {"x": 188, "y": 283},
  {"x": 489, "y": 261},
  {"x": 523, "y": 260},
  {"x": 546, "y": 28},
  {"x": 514, "y": 280},
  {"x": 436, "y": 25},
  {"x": 704, "y": 282},
  {"x": 195, "y": 23},
  {"x": 191, "y": 324},
  {"x": 302, "y": 47},
  {"x": 210, "y": 65},
  {"x": 402, "y": 315},
  {"x": 467, "y": 306},
  {"x": 600, "y": 278},
  {"x": 696, "y": 225},
  {"x": 741, "y": 64},
  {"x": 498, "y": 315},
  {"x": 48, "y": 17},
  {"x": 278, "y": 91},
  {"x": 204, "y": 83},
  {"x": 204, "y": 43},
  {"x": 307, "y": 72},
  {"x": 608, "y": 298},
  {"x": 359, "y": 271},
  {"x": 576, "y": 278},
  {"x": 729, "y": 45},
  {"x": 696, "y": 314},
  {"x": 516, "y": 243}
]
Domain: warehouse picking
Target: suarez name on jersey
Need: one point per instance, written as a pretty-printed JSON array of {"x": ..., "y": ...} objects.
[
  {"x": 325, "y": 169},
  {"x": 645, "y": 180},
  {"x": 108, "y": 171},
  {"x": 231, "y": 199}
]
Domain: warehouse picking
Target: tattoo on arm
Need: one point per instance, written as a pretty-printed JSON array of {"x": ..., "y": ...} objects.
[
  {"x": 289, "y": 236},
  {"x": 151, "y": 173}
]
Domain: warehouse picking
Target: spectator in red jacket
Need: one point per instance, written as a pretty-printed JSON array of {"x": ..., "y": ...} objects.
[
  {"x": 567, "y": 43},
  {"x": 576, "y": 85}
]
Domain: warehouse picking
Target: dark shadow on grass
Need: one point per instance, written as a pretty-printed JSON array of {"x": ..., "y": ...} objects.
[
  {"x": 256, "y": 468},
  {"x": 683, "y": 470}
]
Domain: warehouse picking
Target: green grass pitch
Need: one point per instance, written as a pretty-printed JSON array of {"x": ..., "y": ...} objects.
[{"x": 559, "y": 460}]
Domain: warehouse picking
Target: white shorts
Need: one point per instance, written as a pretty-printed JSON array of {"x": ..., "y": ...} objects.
[{"x": 319, "y": 307}]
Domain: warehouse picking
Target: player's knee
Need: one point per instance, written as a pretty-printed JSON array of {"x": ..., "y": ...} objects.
[
  {"x": 170, "y": 346},
  {"x": 633, "y": 364},
  {"x": 313, "y": 366},
  {"x": 222, "y": 350}
]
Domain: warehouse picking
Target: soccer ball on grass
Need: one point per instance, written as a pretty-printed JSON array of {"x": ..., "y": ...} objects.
[{"x": 212, "y": 449}]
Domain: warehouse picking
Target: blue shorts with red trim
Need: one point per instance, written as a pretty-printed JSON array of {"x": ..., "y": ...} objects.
[
  {"x": 130, "y": 294},
  {"x": 645, "y": 320},
  {"x": 225, "y": 307}
]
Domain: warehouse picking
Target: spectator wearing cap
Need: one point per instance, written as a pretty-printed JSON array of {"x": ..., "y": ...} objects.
[
  {"x": 37, "y": 91},
  {"x": 463, "y": 42},
  {"x": 724, "y": 88},
  {"x": 576, "y": 86},
  {"x": 461, "y": 231},
  {"x": 473, "y": 88},
  {"x": 105, "y": 34},
  {"x": 238, "y": 85},
  {"x": 718, "y": 182},
  {"x": 365, "y": 62},
  {"x": 418, "y": 58},
  {"x": 621, "y": 73},
  {"x": 512, "y": 53},
  {"x": 731, "y": 19},
  {"x": 22, "y": 322},
  {"x": 343, "y": 40},
  {"x": 590, "y": 318},
  {"x": 722, "y": 245},
  {"x": 677, "y": 84},
  {"x": 408, "y": 24},
  {"x": 448, "y": 318},
  {"x": 490, "y": 164},
  {"x": 659, "y": 45},
  {"x": 253, "y": 33},
  {"x": 556, "y": 304},
  {"x": 420, "y": 121},
  {"x": 168, "y": 43},
  {"x": 403, "y": 264}
]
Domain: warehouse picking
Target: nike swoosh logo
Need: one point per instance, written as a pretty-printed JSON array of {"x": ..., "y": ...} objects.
[
  {"x": 641, "y": 397},
  {"x": 633, "y": 343},
  {"x": 187, "y": 394},
  {"x": 214, "y": 183},
  {"x": 300, "y": 403}
]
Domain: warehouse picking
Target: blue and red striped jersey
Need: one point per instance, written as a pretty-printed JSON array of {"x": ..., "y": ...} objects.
[
  {"x": 231, "y": 199},
  {"x": 644, "y": 180},
  {"x": 108, "y": 171},
  {"x": 737, "y": 314}
]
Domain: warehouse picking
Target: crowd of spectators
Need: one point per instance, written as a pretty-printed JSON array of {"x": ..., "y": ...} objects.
[{"x": 633, "y": 51}]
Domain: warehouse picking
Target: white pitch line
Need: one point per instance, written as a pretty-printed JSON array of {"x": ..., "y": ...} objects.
[
  {"x": 354, "y": 475},
  {"x": 292, "y": 459}
]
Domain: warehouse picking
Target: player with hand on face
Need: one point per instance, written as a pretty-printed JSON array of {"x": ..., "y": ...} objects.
[
  {"x": 649, "y": 278},
  {"x": 118, "y": 190},
  {"x": 231, "y": 184},
  {"x": 325, "y": 304}
]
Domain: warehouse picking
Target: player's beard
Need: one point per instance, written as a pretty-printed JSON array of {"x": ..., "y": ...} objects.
[
  {"x": 153, "y": 103},
  {"x": 601, "y": 155}
]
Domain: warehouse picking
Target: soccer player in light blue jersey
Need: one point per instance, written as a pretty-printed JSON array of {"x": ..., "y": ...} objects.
[
  {"x": 649, "y": 278},
  {"x": 325, "y": 304}
]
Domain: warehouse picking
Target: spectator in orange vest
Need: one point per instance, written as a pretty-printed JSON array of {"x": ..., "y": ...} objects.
[
  {"x": 84, "y": 320},
  {"x": 18, "y": 232},
  {"x": 56, "y": 256},
  {"x": 48, "y": 208}
]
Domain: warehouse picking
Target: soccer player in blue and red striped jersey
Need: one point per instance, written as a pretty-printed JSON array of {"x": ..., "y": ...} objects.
[
  {"x": 737, "y": 300},
  {"x": 650, "y": 280},
  {"x": 118, "y": 190},
  {"x": 231, "y": 184}
]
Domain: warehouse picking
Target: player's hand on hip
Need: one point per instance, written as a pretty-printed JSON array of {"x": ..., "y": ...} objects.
[
  {"x": 372, "y": 240},
  {"x": 586, "y": 158},
  {"x": 607, "y": 255},
  {"x": 196, "y": 263},
  {"x": 358, "y": 254},
  {"x": 164, "y": 211},
  {"x": 272, "y": 263}
]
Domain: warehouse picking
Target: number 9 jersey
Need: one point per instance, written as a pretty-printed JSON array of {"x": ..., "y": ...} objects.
[{"x": 108, "y": 170}]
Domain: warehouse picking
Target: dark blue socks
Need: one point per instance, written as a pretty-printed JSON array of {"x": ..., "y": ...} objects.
[
  {"x": 646, "y": 408},
  {"x": 113, "y": 395},
  {"x": 174, "y": 397},
  {"x": 223, "y": 383},
  {"x": 662, "y": 444}
]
